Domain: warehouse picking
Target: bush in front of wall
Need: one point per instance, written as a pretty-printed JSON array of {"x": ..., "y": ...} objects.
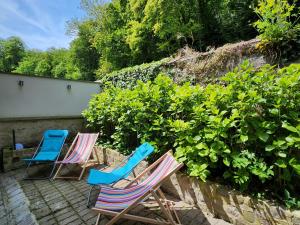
[
  {"x": 128, "y": 77},
  {"x": 244, "y": 130}
]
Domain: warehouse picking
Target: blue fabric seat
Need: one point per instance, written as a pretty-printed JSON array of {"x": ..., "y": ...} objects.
[
  {"x": 49, "y": 148},
  {"x": 97, "y": 177}
]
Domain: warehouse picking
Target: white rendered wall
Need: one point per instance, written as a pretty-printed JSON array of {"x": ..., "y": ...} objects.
[{"x": 43, "y": 97}]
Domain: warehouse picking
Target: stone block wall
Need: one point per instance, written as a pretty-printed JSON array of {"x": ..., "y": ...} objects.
[
  {"x": 30, "y": 131},
  {"x": 12, "y": 159},
  {"x": 218, "y": 200},
  {"x": 228, "y": 204}
]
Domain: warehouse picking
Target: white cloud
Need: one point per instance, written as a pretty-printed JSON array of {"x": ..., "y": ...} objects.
[
  {"x": 38, "y": 23},
  {"x": 13, "y": 11}
]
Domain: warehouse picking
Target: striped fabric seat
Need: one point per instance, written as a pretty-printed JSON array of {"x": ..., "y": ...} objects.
[
  {"x": 80, "y": 152},
  {"x": 118, "y": 199},
  {"x": 82, "y": 149}
]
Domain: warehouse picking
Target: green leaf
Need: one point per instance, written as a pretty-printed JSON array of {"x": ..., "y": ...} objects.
[
  {"x": 210, "y": 135},
  {"x": 289, "y": 139},
  {"x": 201, "y": 146},
  {"x": 213, "y": 157},
  {"x": 279, "y": 142},
  {"x": 296, "y": 167},
  {"x": 281, "y": 163},
  {"x": 203, "y": 153},
  {"x": 226, "y": 161},
  {"x": 269, "y": 148},
  {"x": 244, "y": 138},
  {"x": 227, "y": 150},
  {"x": 281, "y": 154},
  {"x": 263, "y": 136},
  {"x": 190, "y": 139},
  {"x": 197, "y": 138},
  {"x": 289, "y": 127},
  {"x": 274, "y": 111}
]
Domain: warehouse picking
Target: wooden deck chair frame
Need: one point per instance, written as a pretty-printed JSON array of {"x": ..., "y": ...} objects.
[
  {"x": 53, "y": 163},
  {"x": 84, "y": 165},
  {"x": 164, "y": 204}
]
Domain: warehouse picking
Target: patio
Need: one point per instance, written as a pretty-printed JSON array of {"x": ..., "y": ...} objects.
[{"x": 64, "y": 202}]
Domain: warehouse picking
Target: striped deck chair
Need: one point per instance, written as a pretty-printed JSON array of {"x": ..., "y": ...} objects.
[
  {"x": 79, "y": 153},
  {"x": 122, "y": 171},
  {"x": 118, "y": 202}
]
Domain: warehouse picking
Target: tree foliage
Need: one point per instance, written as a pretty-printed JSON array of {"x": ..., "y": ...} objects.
[
  {"x": 52, "y": 63},
  {"x": 122, "y": 33},
  {"x": 276, "y": 21},
  {"x": 279, "y": 28},
  {"x": 11, "y": 52},
  {"x": 131, "y": 32},
  {"x": 83, "y": 54}
]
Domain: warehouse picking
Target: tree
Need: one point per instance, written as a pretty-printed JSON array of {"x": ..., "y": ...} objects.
[
  {"x": 110, "y": 37},
  {"x": 29, "y": 62},
  {"x": 11, "y": 52},
  {"x": 60, "y": 58},
  {"x": 121, "y": 33},
  {"x": 82, "y": 53},
  {"x": 130, "y": 32},
  {"x": 43, "y": 67}
]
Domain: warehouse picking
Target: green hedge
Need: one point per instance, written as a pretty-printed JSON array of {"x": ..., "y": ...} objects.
[
  {"x": 128, "y": 77},
  {"x": 244, "y": 130}
]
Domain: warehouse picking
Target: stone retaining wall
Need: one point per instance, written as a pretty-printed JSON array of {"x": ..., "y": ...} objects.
[
  {"x": 216, "y": 199},
  {"x": 12, "y": 159},
  {"x": 30, "y": 131},
  {"x": 228, "y": 204}
]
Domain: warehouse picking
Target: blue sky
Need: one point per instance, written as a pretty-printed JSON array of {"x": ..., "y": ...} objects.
[{"x": 41, "y": 24}]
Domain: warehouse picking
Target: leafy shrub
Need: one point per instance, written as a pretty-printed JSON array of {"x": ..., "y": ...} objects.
[
  {"x": 128, "y": 77},
  {"x": 245, "y": 130},
  {"x": 278, "y": 27},
  {"x": 291, "y": 202}
]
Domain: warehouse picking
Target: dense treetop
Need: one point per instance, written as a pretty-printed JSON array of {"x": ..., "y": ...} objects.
[{"x": 123, "y": 33}]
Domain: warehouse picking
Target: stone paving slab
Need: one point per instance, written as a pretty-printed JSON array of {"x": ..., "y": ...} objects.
[{"x": 63, "y": 202}]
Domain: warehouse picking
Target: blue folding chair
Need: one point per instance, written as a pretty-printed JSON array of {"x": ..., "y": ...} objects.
[
  {"x": 97, "y": 177},
  {"x": 47, "y": 151}
]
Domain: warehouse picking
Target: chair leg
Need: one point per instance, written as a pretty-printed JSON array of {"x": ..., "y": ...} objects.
[
  {"x": 98, "y": 219},
  {"x": 57, "y": 172},
  {"x": 134, "y": 175},
  {"x": 82, "y": 172},
  {"x": 96, "y": 155},
  {"x": 163, "y": 209},
  {"x": 26, "y": 175},
  {"x": 170, "y": 209},
  {"x": 52, "y": 171},
  {"x": 38, "y": 178},
  {"x": 89, "y": 197}
]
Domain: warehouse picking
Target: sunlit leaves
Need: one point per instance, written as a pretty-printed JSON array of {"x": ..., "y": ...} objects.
[
  {"x": 245, "y": 130},
  {"x": 12, "y": 51}
]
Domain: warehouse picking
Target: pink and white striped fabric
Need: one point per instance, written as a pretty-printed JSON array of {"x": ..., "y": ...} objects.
[
  {"x": 118, "y": 199},
  {"x": 82, "y": 149}
]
